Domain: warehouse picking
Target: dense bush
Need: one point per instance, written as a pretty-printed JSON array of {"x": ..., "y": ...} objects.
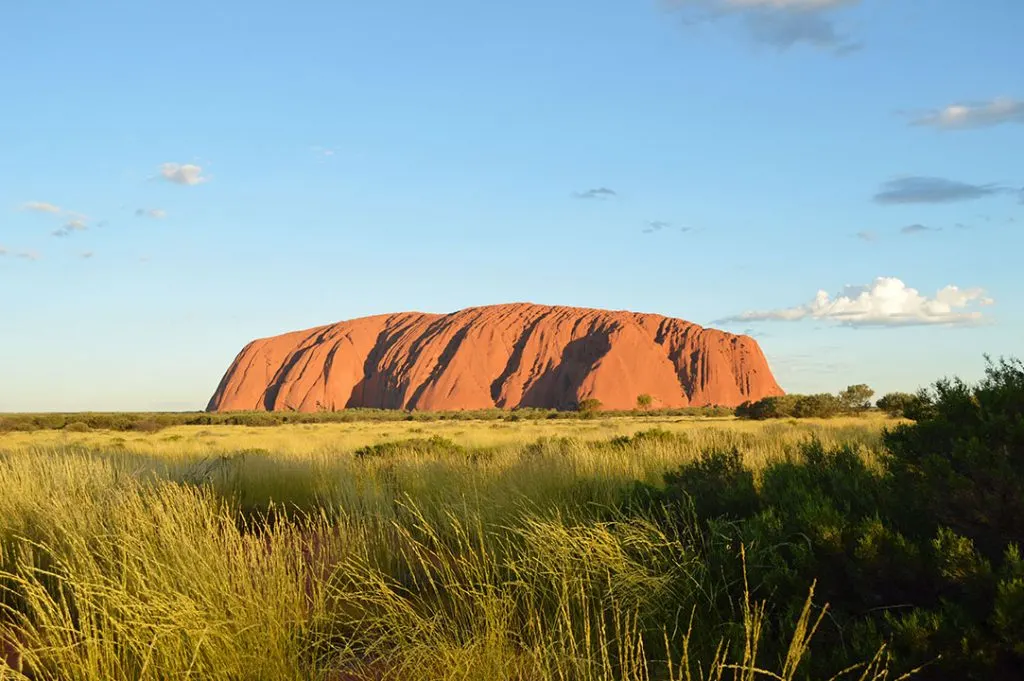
[
  {"x": 821, "y": 405},
  {"x": 898, "y": 404},
  {"x": 922, "y": 553},
  {"x": 792, "y": 406}
]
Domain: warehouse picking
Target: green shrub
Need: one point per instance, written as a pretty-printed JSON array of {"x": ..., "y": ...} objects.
[
  {"x": 147, "y": 425},
  {"x": 589, "y": 406},
  {"x": 782, "y": 406},
  {"x": 922, "y": 553},
  {"x": 856, "y": 398},
  {"x": 962, "y": 464},
  {"x": 821, "y": 406},
  {"x": 897, "y": 404},
  {"x": 432, "y": 446}
]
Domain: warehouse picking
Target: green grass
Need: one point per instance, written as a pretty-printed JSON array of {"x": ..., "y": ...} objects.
[{"x": 485, "y": 553}]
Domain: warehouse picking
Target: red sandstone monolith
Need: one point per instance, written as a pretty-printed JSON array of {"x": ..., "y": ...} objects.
[{"x": 515, "y": 355}]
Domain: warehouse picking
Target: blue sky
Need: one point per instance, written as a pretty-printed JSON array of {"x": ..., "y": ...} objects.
[{"x": 179, "y": 178}]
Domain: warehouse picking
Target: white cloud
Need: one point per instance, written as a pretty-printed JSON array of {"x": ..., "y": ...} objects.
[
  {"x": 3, "y": 251},
  {"x": 979, "y": 115},
  {"x": 885, "y": 302},
  {"x": 155, "y": 213},
  {"x": 41, "y": 207},
  {"x": 187, "y": 174}
]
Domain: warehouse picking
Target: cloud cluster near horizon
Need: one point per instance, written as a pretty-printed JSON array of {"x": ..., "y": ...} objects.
[
  {"x": 887, "y": 301},
  {"x": 779, "y": 23}
]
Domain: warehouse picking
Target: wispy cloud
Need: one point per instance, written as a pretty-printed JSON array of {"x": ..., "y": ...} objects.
[
  {"x": 41, "y": 207},
  {"x": 597, "y": 193},
  {"x": 662, "y": 226},
  {"x": 975, "y": 115},
  {"x": 3, "y": 251},
  {"x": 28, "y": 255},
  {"x": 185, "y": 174},
  {"x": 885, "y": 302},
  {"x": 70, "y": 227},
  {"x": 917, "y": 189},
  {"x": 867, "y": 235},
  {"x": 918, "y": 228},
  {"x": 778, "y": 23},
  {"x": 85, "y": 255},
  {"x": 154, "y": 213},
  {"x": 325, "y": 152}
]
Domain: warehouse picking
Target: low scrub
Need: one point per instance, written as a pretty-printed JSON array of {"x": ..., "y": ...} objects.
[{"x": 921, "y": 553}]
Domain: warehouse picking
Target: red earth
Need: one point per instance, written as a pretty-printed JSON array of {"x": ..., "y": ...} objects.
[{"x": 507, "y": 356}]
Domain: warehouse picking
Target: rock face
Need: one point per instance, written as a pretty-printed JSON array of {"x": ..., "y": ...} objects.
[{"x": 516, "y": 355}]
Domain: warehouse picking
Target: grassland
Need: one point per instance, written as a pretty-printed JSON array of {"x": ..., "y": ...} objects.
[
  {"x": 489, "y": 550},
  {"x": 656, "y": 547}
]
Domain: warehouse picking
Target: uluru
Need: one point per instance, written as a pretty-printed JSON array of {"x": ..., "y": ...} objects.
[{"x": 504, "y": 356}]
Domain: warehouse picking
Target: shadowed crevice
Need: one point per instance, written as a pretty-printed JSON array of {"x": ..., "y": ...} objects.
[
  {"x": 558, "y": 386},
  {"x": 276, "y": 383},
  {"x": 515, "y": 360},
  {"x": 442, "y": 364}
]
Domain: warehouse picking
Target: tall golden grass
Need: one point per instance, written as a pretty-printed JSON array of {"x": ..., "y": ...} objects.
[{"x": 166, "y": 558}]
